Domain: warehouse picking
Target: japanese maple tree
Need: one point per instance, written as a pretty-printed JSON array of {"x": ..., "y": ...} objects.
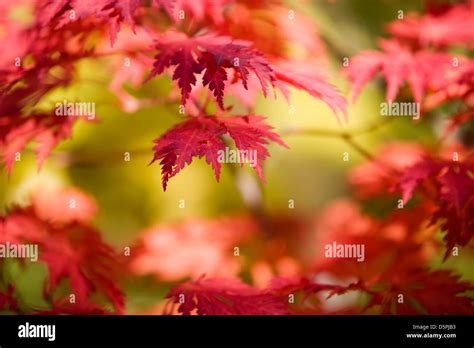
[{"x": 220, "y": 57}]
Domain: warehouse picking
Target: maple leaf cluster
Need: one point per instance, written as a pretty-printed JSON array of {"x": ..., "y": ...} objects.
[{"x": 220, "y": 55}]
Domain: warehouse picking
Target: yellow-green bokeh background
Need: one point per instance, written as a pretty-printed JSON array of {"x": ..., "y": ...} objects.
[{"x": 129, "y": 194}]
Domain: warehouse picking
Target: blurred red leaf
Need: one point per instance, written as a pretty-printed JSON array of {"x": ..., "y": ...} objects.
[
  {"x": 397, "y": 63},
  {"x": 46, "y": 130},
  {"x": 192, "y": 248},
  {"x": 425, "y": 292},
  {"x": 63, "y": 206},
  {"x": 112, "y": 12}
]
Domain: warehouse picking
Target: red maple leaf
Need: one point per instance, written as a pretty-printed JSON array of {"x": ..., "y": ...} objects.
[
  {"x": 20, "y": 42},
  {"x": 72, "y": 251},
  {"x": 201, "y": 137},
  {"x": 225, "y": 296},
  {"x": 392, "y": 245},
  {"x": 7, "y": 299},
  {"x": 457, "y": 121},
  {"x": 424, "y": 292},
  {"x": 192, "y": 55}
]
